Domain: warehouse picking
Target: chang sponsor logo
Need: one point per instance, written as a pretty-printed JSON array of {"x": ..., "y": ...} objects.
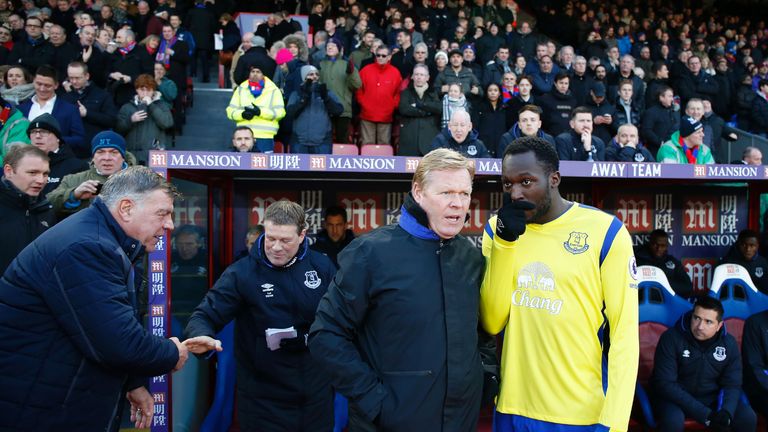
[{"x": 536, "y": 289}]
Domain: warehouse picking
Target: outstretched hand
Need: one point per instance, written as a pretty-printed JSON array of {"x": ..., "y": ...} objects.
[{"x": 202, "y": 344}]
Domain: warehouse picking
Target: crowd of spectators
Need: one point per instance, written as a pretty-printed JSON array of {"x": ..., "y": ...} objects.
[
  {"x": 649, "y": 65},
  {"x": 106, "y": 65}
]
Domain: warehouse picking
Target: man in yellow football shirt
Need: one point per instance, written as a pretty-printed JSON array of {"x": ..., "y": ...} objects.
[{"x": 561, "y": 281}]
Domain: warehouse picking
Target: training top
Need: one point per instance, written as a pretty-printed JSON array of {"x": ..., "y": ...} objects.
[{"x": 560, "y": 290}]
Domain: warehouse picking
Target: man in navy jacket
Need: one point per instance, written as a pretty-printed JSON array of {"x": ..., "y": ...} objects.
[
  {"x": 72, "y": 347},
  {"x": 697, "y": 373},
  {"x": 45, "y": 101},
  {"x": 272, "y": 294}
]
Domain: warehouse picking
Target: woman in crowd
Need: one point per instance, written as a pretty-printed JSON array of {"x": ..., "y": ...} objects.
[
  {"x": 491, "y": 118},
  {"x": 17, "y": 87},
  {"x": 165, "y": 85}
]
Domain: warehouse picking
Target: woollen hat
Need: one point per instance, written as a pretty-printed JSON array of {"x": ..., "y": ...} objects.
[
  {"x": 47, "y": 122},
  {"x": 305, "y": 70},
  {"x": 283, "y": 56},
  {"x": 689, "y": 125},
  {"x": 108, "y": 139}
]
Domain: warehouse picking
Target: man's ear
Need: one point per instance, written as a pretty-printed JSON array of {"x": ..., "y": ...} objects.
[
  {"x": 554, "y": 179},
  {"x": 125, "y": 209}
]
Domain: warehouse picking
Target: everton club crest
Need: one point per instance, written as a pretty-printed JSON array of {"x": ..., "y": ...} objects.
[
  {"x": 719, "y": 353},
  {"x": 576, "y": 243},
  {"x": 312, "y": 280}
]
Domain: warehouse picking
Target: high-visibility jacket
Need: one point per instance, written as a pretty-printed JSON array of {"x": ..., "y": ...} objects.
[{"x": 271, "y": 103}]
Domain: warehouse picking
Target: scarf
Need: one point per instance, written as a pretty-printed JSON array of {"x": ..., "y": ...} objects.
[
  {"x": 256, "y": 87},
  {"x": 690, "y": 154},
  {"x": 161, "y": 57},
  {"x": 507, "y": 94},
  {"x": 420, "y": 90},
  {"x": 450, "y": 105},
  {"x": 124, "y": 51}
]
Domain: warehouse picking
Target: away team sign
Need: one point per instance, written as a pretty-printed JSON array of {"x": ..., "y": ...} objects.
[{"x": 402, "y": 164}]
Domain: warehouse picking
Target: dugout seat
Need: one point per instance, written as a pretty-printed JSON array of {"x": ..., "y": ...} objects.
[{"x": 733, "y": 286}]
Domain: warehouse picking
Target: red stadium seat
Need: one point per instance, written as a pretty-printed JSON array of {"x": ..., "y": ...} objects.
[
  {"x": 279, "y": 147},
  {"x": 376, "y": 150},
  {"x": 345, "y": 149}
]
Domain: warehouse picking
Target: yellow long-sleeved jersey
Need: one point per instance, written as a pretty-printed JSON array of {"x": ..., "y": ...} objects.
[{"x": 558, "y": 290}]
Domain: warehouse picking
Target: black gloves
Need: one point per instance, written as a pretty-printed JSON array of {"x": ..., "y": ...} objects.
[
  {"x": 350, "y": 67},
  {"x": 719, "y": 420},
  {"x": 510, "y": 222},
  {"x": 251, "y": 112},
  {"x": 322, "y": 90},
  {"x": 306, "y": 87},
  {"x": 297, "y": 344}
]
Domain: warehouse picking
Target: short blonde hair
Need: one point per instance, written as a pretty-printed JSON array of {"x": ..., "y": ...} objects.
[{"x": 441, "y": 159}]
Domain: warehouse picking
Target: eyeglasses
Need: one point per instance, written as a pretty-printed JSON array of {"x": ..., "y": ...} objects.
[
  {"x": 41, "y": 132},
  {"x": 382, "y": 55}
]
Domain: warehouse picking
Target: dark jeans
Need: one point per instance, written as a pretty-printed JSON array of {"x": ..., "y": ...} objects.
[
  {"x": 313, "y": 149},
  {"x": 205, "y": 63},
  {"x": 341, "y": 130},
  {"x": 671, "y": 417}
]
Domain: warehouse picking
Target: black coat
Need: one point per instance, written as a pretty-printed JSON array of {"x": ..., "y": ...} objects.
[
  {"x": 569, "y": 147},
  {"x": 256, "y": 56},
  {"x": 672, "y": 267},
  {"x": 755, "y": 350},
  {"x": 471, "y": 147},
  {"x": 22, "y": 219},
  {"x": 605, "y": 132},
  {"x": 259, "y": 296},
  {"x": 101, "y": 110},
  {"x": 658, "y": 125},
  {"x": 419, "y": 121},
  {"x": 138, "y": 61},
  {"x": 201, "y": 22},
  {"x": 491, "y": 125},
  {"x": 743, "y": 101},
  {"x": 693, "y": 381},
  {"x": 62, "y": 56},
  {"x": 579, "y": 87},
  {"x": 759, "y": 119},
  {"x": 514, "y": 133},
  {"x": 330, "y": 248},
  {"x": 31, "y": 56},
  {"x": 397, "y": 332},
  {"x": 63, "y": 162},
  {"x": 514, "y": 105},
  {"x": 557, "y": 109},
  {"x": 82, "y": 345},
  {"x": 702, "y": 86},
  {"x": 757, "y": 267}
]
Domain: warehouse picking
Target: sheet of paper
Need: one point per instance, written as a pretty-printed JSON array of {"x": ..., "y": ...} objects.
[
  {"x": 218, "y": 41},
  {"x": 274, "y": 336}
]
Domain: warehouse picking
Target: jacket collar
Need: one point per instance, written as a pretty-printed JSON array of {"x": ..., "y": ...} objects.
[
  {"x": 413, "y": 219},
  {"x": 132, "y": 247},
  {"x": 21, "y": 199}
]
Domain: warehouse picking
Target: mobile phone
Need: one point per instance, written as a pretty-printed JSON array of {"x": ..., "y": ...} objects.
[{"x": 98, "y": 188}]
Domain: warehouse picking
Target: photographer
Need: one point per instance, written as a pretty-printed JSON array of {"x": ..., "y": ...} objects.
[
  {"x": 78, "y": 190},
  {"x": 312, "y": 108},
  {"x": 144, "y": 120}
]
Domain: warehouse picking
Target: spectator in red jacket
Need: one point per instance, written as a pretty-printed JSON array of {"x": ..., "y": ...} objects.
[{"x": 379, "y": 97}]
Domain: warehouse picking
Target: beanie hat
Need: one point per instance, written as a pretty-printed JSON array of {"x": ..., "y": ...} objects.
[
  {"x": 47, "y": 122},
  {"x": 441, "y": 54},
  {"x": 468, "y": 46},
  {"x": 305, "y": 70},
  {"x": 283, "y": 56},
  {"x": 336, "y": 42},
  {"x": 688, "y": 126},
  {"x": 108, "y": 139}
]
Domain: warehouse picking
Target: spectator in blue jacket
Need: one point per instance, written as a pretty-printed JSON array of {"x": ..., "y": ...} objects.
[
  {"x": 82, "y": 349},
  {"x": 311, "y": 108},
  {"x": 272, "y": 295},
  {"x": 45, "y": 101},
  {"x": 697, "y": 373},
  {"x": 579, "y": 143}
]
